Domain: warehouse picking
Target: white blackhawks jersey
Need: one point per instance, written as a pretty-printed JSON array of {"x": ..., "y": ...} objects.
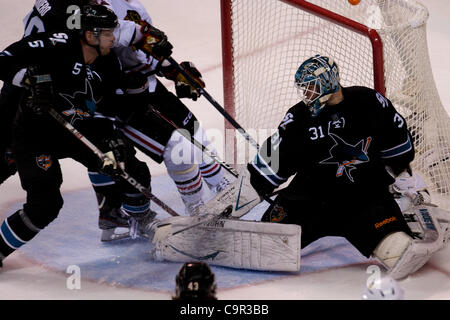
[{"x": 129, "y": 12}]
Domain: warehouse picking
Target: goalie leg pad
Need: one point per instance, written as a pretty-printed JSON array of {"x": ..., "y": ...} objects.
[
  {"x": 234, "y": 243},
  {"x": 430, "y": 239}
]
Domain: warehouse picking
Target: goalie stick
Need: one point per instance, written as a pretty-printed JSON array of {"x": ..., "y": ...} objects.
[{"x": 102, "y": 156}]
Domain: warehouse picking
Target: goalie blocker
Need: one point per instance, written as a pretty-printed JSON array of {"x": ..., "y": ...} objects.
[{"x": 233, "y": 243}]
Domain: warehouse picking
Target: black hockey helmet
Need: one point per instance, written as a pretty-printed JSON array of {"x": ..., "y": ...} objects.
[
  {"x": 97, "y": 18},
  {"x": 195, "y": 281}
]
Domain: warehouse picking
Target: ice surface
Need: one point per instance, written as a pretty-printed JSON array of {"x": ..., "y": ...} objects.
[{"x": 331, "y": 268}]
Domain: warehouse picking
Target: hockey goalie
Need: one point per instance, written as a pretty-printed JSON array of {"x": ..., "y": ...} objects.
[{"x": 349, "y": 152}]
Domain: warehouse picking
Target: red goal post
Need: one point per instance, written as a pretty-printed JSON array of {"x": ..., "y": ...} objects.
[{"x": 379, "y": 44}]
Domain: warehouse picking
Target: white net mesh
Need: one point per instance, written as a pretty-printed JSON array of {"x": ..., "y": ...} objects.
[{"x": 271, "y": 38}]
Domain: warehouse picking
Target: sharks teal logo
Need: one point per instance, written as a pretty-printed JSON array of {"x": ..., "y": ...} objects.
[
  {"x": 347, "y": 156},
  {"x": 80, "y": 101},
  {"x": 238, "y": 207},
  {"x": 211, "y": 256}
]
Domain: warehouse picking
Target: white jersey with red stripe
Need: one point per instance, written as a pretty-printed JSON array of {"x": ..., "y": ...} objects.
[{"x": 130, "y": 12}]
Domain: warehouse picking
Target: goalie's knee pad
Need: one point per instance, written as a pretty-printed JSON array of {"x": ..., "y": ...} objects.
[
  {"x": 391, "y": 248},
  {"x": 403, "y": 255}
]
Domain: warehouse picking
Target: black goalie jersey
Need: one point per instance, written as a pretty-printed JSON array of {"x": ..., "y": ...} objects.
[{"x": 346, "y": 147}]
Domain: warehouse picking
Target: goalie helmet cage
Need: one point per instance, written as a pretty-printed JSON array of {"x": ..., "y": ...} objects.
[{"x": 380, "y": 44}]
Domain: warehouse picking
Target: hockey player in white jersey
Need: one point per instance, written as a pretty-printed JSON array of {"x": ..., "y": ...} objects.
[{"x": 188, "y": 176}]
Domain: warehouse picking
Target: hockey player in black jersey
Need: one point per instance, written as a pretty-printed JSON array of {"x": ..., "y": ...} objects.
[
  {"x": 77, "y": 75},
  {"x": 348, "y": 151},
  {"x": 150, "y": 133}
]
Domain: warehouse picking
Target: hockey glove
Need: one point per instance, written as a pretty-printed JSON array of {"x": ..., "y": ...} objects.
[
  {"x": 154, "y": 42},
  {"x": 259, "y": 183},
  {"x": 409, "y": 189},
  {"x": 41, "y": 86},
  {"x": 113, "y": 164},
  {"x": 183, "y": 86}
]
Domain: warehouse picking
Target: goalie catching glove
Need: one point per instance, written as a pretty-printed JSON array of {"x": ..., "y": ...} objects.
[{"x": 183, "y": 86}]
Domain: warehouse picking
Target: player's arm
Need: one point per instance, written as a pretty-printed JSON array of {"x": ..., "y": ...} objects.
[
  {"x": 396, "y": 145},
  {"x": 397, "y": 152},
  {"x": 32, "y": 50},
  {"x": 154, "y": 42},
  {"x": 272, "y": 165}
]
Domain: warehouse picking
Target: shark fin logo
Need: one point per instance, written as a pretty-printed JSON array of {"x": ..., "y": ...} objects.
[
  {"x": 79, "y": 101},
  {"x": 346, "y": 156}
]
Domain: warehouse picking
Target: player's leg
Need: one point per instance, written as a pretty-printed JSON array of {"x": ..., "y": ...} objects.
[
  {"x": 173, "y": 108},
  {"x": 297, "y": 204},
  {"x": 109, "y": 201},
  {"x": 41, "y": 178},
  {"x": 381, "y": 230},
  {"x": 9, "y": 101},
  {"x": 158, "y": 139},
  {"x": 120, "y": 204}
]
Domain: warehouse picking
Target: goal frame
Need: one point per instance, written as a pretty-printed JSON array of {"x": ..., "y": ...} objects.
[{"x": 227, "y": 56}]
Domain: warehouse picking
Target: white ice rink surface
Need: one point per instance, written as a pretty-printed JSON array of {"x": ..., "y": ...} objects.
[{"x": 193, "y": 27}]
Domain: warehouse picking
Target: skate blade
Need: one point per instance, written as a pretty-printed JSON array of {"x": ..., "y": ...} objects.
[{"x": 111, "y": 235}]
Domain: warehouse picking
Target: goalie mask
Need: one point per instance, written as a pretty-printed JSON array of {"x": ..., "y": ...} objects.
[
  {"x": 195, "y": 281},
  {"x": 316, "y": 79}
]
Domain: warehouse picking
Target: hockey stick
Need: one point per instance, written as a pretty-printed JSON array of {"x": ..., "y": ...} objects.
[
  {"x": 215, "y": 104},
  {"x": 103, "y": 157},
  {"x": 164, "y": 230},
  {"x": 194, "y": 141}
]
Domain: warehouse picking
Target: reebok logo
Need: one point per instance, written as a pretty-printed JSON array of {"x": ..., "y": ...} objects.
[{"x": 385, "y": 221}]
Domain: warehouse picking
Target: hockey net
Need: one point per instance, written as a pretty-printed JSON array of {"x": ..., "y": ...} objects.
[{"x": 380, "y": 44}]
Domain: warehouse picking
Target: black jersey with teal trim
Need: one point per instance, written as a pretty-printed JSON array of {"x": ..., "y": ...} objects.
[
  {"x": 80, "y": 89},
  {"x": 347, "y": 145},
  {"x": 49, "y": 15}
]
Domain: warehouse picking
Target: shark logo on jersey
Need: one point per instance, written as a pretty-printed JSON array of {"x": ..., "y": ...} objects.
[
  {"x": 79, "y": 101},
  {"x": 347, "y": 156}
]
